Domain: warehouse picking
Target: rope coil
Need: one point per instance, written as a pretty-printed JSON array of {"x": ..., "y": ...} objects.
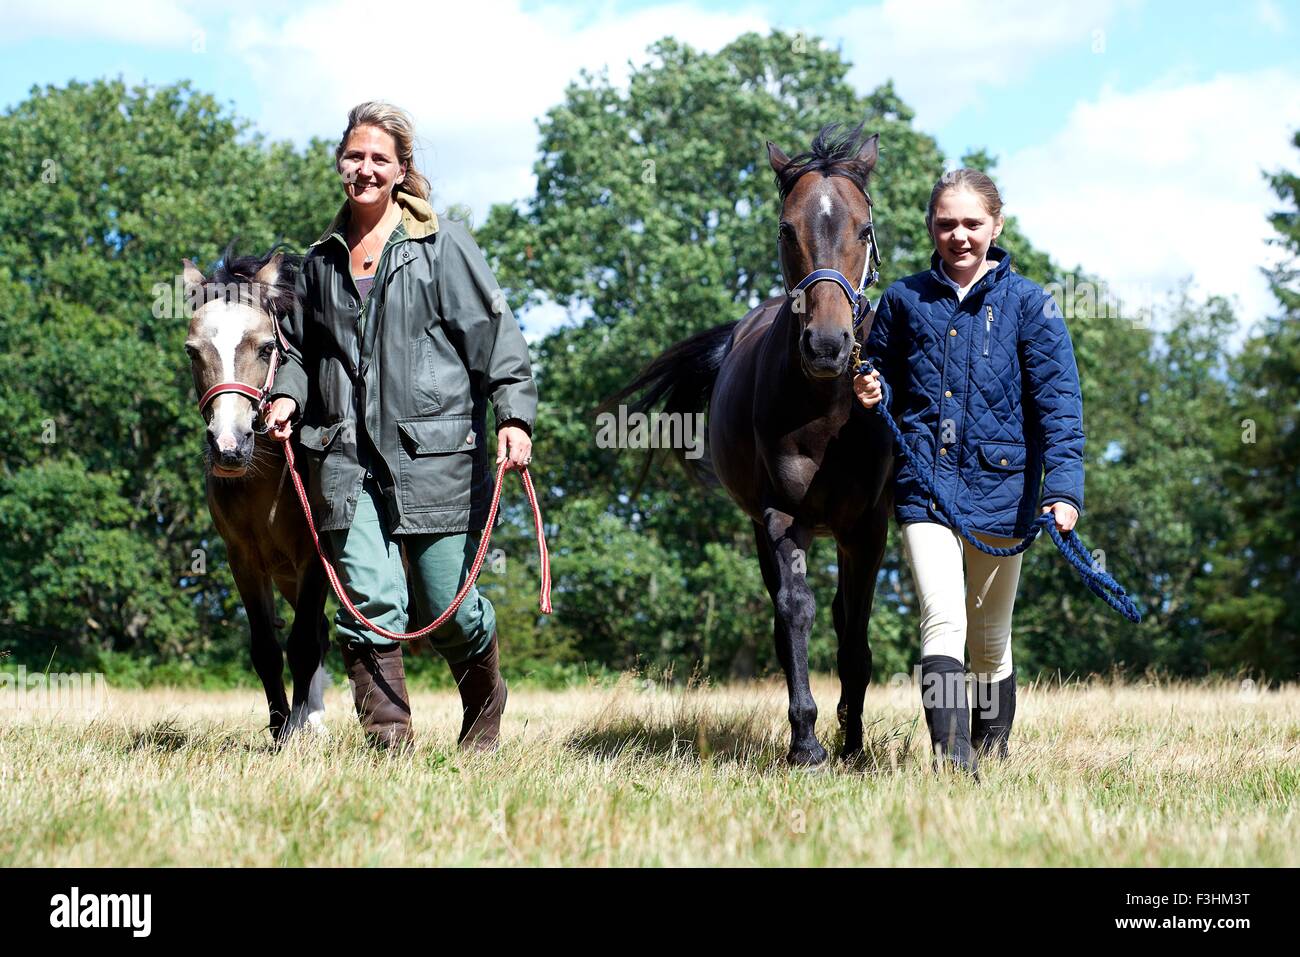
[{"x": 544, "y": 598}]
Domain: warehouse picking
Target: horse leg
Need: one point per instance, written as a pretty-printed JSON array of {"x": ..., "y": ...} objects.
[
  {"x": 268, "y": 660},
  {"x": 783, "y": 557},
  {"x": 860, "y": 556},
  {"x": 307, "y": 653}
]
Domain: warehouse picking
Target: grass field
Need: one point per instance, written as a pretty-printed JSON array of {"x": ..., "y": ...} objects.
[{"x": 1101, "y": 774}]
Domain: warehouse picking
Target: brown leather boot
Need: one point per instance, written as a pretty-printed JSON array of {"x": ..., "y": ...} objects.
[
  {"x": 378, "y": 682},
  {"x": 482, "y": 697}
]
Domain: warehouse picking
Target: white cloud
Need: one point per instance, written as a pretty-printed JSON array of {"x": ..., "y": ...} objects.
[
  {"x": 145, "y": 22},
  {"x": 1146, "y": 188},
  {"x": 945, "y": 57},
  {"x": 474, "y": 77}
]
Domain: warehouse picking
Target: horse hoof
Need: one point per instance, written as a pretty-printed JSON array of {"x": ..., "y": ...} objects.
[{"x": 807, "y": 759}]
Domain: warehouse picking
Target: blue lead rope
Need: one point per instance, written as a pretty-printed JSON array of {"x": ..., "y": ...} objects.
[{"x": 1098, "y": 581}]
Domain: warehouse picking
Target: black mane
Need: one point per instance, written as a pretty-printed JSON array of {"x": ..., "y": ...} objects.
[
  {"x": 239, "y": 272},
  {"x": 833, "y": 153}
]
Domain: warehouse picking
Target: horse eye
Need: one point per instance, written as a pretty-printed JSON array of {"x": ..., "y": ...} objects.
[
  {"x": 785, "y": 231},
  {"x": 266, "y": 350}
]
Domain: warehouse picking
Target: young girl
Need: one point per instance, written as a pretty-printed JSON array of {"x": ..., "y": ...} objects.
[{"x": 986, "y": 393}]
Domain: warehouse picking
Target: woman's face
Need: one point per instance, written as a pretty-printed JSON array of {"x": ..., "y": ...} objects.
[
  {"x": 369, "y": 166},
  {"x": 962, "y": 229}
]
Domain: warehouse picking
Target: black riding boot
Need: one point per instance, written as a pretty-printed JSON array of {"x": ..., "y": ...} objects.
[
  {"x": 943, "y": 696},
  {"x": 993, "y": 714}
]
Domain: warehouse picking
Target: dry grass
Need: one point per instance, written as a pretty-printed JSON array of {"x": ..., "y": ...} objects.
[{"x": 1101, "y": 774}]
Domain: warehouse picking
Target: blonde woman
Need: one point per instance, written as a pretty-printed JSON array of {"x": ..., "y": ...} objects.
[{"x": 401, "y": 340}]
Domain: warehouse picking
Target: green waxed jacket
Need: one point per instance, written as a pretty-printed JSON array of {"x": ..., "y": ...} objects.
[{"x": 416, "y": 380}]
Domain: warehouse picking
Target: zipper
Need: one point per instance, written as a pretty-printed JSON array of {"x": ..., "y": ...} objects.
[{"x": 988, "y": 326}]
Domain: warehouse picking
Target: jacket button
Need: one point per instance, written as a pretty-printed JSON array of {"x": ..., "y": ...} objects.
[
  {"x": 952, "y": 332},
  {"x": 948, "y": 393},
  {"x": 1004, "y": 461},
  {"x": 943, "y": 451}
]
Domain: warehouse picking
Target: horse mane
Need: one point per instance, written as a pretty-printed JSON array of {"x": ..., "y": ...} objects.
[
  {"x": 240, "y": 272},
  {"x": 833, "y": 153}
]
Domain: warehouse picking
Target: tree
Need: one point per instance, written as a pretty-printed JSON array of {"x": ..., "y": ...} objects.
[{"x": 108, "y": 544}]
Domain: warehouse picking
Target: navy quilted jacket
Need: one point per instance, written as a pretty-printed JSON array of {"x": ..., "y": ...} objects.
[{"x": 986, "y": 394}]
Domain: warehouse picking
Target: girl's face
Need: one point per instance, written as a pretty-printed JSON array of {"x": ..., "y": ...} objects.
[
  {"x": 962, "y": 229},
  {"x": 369, "y": 166}
]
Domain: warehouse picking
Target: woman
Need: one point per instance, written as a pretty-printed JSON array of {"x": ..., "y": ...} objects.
[
  {"x": 401, "y": 340},
  {"x": 986, "y": 392}
]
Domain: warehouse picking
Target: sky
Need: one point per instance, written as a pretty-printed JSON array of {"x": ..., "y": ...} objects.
[{"x": 1131, "y": 138}]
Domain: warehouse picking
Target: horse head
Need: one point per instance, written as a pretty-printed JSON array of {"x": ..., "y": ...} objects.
[
  {"x": 826, "y": 236},
  {"x": 234, "y": 349}
]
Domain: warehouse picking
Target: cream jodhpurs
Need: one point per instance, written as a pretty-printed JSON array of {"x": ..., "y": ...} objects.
[{"x": 968, "y": 612}]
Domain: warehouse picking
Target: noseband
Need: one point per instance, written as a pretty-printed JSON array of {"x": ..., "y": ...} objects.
[
  {"x": 857, "y": 297},
  {"x": 258, "y": 396}
]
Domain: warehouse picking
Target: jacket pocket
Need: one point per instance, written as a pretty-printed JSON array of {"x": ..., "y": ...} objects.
[
  {"x": 437, "y": 462},
  {"x": 423, "y": 378},
  {"x": 322, "y": 468},
  {"x": 1003, "y": 456},
  {"x": 335, "y": 386}
]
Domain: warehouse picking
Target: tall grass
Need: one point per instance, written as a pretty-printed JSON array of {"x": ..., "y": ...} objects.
[{"x": 1101, "y": 773}]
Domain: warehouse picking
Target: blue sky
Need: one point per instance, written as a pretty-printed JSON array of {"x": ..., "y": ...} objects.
[{"x": 1118, "y": 126}]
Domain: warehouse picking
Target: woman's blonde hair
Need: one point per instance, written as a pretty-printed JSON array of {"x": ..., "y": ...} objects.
[
  {"x": 396, "y": 123},
  {"x": 964, "y": 178}
]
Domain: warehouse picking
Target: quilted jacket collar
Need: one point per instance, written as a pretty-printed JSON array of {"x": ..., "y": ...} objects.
[
  {"x": 418, "y": 218},
  {"x": 997, "y": 254}
]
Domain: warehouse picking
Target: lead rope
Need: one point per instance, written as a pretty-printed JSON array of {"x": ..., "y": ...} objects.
[
  {"x": 1070, "y": 544},
  {"x": 544, "y": 599}
]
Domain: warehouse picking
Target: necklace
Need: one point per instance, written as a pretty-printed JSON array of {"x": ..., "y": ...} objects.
[{"x": 369, "y": 256}]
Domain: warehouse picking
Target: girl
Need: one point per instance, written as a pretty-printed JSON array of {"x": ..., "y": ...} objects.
[
  {"x": 986, "y": 393},
  {"x": 401, "y": 338}
]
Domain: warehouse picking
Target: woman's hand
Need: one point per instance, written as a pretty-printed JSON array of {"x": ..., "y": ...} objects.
[
  {"x": 867, "y": 388},
  {"x": 278, "y": 418},
  {"x": 513, "y": 443},
  {"x": 1065, "y": 513}
]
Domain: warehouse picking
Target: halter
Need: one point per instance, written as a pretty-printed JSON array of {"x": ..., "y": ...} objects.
[
  {"x": 258, "y": 396},
  {"x": 857, "y": 297}
]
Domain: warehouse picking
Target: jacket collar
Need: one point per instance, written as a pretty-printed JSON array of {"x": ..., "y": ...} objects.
[
  {"x": 418, "y": 218},
  {"x": 1002, "y": 265}
]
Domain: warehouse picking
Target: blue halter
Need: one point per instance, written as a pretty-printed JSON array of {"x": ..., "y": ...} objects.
[{"x": 857, "y": 297}]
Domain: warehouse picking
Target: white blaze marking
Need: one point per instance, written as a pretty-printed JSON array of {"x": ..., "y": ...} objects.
[
  {"x": 225, "y": 324},
  {"x": 826, "y": 204}
]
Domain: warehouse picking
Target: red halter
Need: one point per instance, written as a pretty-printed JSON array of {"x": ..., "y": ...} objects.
[{"x": 259, "y": 396}]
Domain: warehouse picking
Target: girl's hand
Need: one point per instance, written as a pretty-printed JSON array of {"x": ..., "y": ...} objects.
[
  {"x": 278, "y": 418},
  {"x": 514, "y": 443},
  {"x": 1065, "y": 513},
  {"x": 867, "y": 388}
]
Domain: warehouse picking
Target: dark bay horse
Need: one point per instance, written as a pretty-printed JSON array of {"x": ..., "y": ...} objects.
[
  {"x": 787, "y": 438},
  {"x": 231, "y": 345}
]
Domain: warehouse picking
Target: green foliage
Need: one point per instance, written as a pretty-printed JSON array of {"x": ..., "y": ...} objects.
[{"x": 101, "y": 495}]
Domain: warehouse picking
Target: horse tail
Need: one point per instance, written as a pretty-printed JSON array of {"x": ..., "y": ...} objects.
[{"x": 682, "y": 378}]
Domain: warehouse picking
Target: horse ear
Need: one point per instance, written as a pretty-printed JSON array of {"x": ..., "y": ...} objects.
[
  {"x": 269, "y": 275},
  {"x": 777, "y": 158},
  {"x": 192, "y": 274},
  {"x": 870, "y": 152}
]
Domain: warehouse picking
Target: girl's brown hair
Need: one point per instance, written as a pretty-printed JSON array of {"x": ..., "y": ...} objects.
[
  {"x": 964, "y": 178},
  {"x": 396, "y": 123}
]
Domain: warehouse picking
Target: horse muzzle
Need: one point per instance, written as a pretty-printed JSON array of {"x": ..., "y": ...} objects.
[{"x": 825, "y": 355}]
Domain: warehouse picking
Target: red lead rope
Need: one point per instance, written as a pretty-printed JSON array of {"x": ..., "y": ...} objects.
[{"x": 544, "y": 599}]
